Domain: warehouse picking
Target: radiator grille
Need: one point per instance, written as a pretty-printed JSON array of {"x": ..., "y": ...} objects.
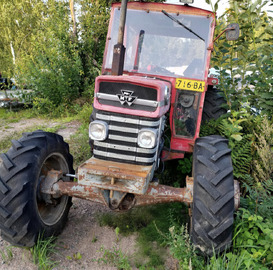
[
  {"x": 145, "y": 98},
  {"x": 121, "y": 144}
]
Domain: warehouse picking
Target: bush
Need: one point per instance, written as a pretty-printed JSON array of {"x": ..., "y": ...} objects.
[
  {"x": 246, "y": 65},
  {"x": 52, "y": 68},
  {"x": 253, "y": 240}
]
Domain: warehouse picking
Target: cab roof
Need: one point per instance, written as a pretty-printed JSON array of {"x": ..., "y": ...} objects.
[{"x": 170, "y": 8}]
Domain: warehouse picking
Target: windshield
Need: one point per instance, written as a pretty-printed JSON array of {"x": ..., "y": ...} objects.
[{"x": 158, "y": 44}]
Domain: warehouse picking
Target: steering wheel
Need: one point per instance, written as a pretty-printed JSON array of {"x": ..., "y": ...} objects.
[{"x": 158, "y": 69}]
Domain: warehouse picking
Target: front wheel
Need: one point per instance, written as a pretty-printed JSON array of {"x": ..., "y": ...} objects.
[
  {"x": 24, "y": 211},
  {"x": 213, "y": 195}
]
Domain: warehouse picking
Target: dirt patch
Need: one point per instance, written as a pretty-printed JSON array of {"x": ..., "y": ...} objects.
[
  {"x": 89, "y": 238},
  {"x": 8, "y": 129},
  {"x": 69, "y": 129},
  {"x": 66, "y": 129}
]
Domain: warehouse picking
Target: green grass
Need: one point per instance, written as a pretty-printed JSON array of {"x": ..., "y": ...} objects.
[
  {"x": 42, "y": 251},
  {"x": 13, "y": 117},
  {"x": 84, "y": 114},
  {"x": 2, "y": 112},
  {"x": 81, "y": 114},
  {"x": 181, "y": 248},
  {"x": 228, "y": 261},
  {"x": 6, "y": 254}
]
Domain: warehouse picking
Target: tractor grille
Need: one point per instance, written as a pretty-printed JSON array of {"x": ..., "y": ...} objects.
[
  {"x": 121, "y": 144},
  {"x": 145, "y": 98}
]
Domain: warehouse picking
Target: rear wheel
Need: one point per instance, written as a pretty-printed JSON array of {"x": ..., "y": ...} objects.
[
  {"x": 213, "y": 195},
  {"x": 24, "y": 211},
  {"x": 213, "y": 105}
]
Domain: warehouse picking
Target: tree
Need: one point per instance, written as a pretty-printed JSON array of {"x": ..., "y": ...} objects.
[
  {"x": 18, "y": 21},
  {"x": 249, "y": 59},
  {"x": 52, "y": 65}
]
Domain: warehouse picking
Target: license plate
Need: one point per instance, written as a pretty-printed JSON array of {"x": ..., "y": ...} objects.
[{"x": 191, "y": 85}]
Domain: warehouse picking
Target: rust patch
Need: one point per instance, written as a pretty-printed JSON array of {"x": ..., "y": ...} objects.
[
  {"x": 164, "y": 194},
  {"x": 80, "y": 191},
  {"x": 46, "y": 183}
]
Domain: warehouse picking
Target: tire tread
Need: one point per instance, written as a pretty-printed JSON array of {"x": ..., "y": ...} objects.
[
  {"x": 220, "y": 154},
  {"x": 221, "y": 228},
  {"x": 210, "y": 189},
  {"x": 15, "y": 171},
  {"x": 222, "y": 175},
  {"x": 209, "y": 164},
  {"x": 213, "y": 104},
  {"x": 16, "y": 145},
  {"x": 22, "y": 151},
  {"x": 3, "y": 187},
  {"x": 4, "y": 212},
  {"x": 6, "y": 161},
  {"x": 213, "y": 195},
  {"x": 12, "y": 194},
  {"x": 220, "y": 203},
  {"x": 209, "y": 217}
]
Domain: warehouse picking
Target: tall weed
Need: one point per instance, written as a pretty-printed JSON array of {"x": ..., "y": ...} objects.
[
  {"x": 258, "y": 198},
  {"x": 182, "y": 249},
  {"x": 42, "y": 251},
  {"x": 263, "y": 163}
]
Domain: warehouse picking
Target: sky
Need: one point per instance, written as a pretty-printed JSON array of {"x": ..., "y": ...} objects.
[
  {"x": 221, "y": 7},
  {"x": 202, "y": 4}
]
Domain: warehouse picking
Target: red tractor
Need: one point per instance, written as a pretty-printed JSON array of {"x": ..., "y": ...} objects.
[{"x": 154, "y": 74}]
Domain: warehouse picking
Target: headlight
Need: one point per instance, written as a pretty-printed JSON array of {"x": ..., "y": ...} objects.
[
  {"x": 147, "y": 138},
  {"x": 98, "y": 130}
]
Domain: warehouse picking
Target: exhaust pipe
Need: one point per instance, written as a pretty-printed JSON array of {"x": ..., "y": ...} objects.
[{"x": 119, "y": 49}]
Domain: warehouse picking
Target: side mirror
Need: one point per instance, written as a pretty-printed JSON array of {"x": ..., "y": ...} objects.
[{"x": 232, "y": 31}]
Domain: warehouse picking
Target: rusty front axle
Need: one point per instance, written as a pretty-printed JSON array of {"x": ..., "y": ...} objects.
[
  {"x": 155, "y": 194},
  {"x": 54, "y": 185}
]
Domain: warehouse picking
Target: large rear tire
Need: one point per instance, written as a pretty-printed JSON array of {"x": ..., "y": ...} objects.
[
  {"x": 213, "y": 195},
  {"x": 213, "y": 105},
  {"x": 24, "y": 211}
]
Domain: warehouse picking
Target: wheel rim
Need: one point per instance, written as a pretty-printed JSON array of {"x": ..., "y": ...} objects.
[{"x": 50, "y": 214}]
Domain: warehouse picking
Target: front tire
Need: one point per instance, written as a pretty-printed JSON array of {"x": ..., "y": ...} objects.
[
  {"x": 24, "y": 211},
  {"x": 213, "y": 195}
]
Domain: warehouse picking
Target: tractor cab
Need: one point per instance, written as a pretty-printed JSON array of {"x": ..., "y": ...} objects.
[{"x": 162, "y": 40}]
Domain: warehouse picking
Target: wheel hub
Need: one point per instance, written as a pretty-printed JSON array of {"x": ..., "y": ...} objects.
[{"x": 46, "y": 183}]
